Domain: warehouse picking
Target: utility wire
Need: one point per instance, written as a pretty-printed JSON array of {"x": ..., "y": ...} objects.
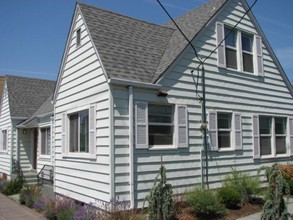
[
  {"x": 189, "y": 42},
  {"x": 180, "y": 30},
  {"x": 249, "y": 9}
]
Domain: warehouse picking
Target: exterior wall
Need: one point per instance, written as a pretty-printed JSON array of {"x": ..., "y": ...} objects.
[
  {"x": 5, "y": 123},
  {"x": 82, "y": 83},
  {"x": 226, "y": 90}
]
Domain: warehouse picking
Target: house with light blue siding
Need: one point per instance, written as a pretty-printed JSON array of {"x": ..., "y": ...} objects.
[
  {"x": 128, "y": 99},
  {"x": 25, "y": 127}
]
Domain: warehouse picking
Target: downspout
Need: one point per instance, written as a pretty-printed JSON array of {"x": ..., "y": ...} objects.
[{"x": 131, "y": 173}]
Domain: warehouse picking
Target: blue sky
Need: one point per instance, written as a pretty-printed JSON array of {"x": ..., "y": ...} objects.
[{"x": 33, "y": 32}]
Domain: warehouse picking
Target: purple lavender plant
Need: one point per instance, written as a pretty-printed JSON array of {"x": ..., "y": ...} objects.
[{"x": 40, "y": 205}]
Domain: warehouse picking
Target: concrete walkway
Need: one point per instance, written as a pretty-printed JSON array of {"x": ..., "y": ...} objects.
[
  {"x": 257, "y": 216},
  {"x": 10, "y": 210}
]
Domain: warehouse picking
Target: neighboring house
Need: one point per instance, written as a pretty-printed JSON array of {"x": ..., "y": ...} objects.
[{"x": 22, "y": 114}]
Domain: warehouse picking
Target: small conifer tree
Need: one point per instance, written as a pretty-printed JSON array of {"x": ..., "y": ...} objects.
[
  {"x": 275, "y": 206},
  {"x": 160, "y": 199}
]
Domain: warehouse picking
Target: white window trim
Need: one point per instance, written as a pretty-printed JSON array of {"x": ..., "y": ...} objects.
[
  {"x": 1, "y": 148},
  {"x": 232, "y": 132},
  {"x": 76, "y": 155},
  {"x": 170, "y": 146},
  {"x": 175, "y": 144},
  {"x": 239, "y": 51},
  {"x": 273, "y": 138},
  {"x": 45, "y": 156}
]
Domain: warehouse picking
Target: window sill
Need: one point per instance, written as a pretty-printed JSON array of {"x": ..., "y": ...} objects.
[
  {"x": 162, "y": 147},
  {"x": 226, "y": 149},
  {"x": 45, "y": 157},
  {"x": 79, "y": 156},
  {"x": 273, "y": 157}
]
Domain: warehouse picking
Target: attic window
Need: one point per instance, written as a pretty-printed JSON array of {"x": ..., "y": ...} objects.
[{"x": 78, "y": 37}]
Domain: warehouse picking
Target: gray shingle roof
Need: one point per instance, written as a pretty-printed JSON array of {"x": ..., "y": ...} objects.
[
  {"x": 27, "y": 95},
  {"x": 136, "y": 50}
]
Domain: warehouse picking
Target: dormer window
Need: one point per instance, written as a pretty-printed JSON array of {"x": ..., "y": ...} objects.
[
  {"x": 239, "y": 50},
  {"x": 78, "y": 37}
]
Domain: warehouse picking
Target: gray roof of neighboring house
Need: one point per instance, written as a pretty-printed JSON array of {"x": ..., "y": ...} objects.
[
  {"x": 136, "y": 50},
  {"x": 27, "y": 95}
]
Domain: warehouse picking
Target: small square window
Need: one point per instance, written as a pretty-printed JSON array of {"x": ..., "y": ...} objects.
[{"x": 78, "y": 37}]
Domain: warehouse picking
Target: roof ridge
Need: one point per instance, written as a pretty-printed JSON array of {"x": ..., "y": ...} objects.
[
  {"x": 123, "y": 15},
  {"x": 25, "y": 77}
]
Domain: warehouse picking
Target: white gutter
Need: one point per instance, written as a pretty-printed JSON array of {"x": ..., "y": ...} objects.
[
  {"x": 133, "y": 83},
  {"x": 131, "y": 162}
]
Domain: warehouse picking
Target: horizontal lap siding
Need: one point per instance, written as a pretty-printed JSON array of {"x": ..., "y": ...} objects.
[
  {"x": 83, "y": 83},
  {"x": 6, "y": 124},
  {"x": 26, "y": 147},
  {"x": 228, "y": 90},
  {"x": 183, "y": 165}
]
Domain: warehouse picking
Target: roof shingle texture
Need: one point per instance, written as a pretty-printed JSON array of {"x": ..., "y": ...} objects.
[
  {"x": 27, "y": 95},
  {"x": 136, "y": 50}
]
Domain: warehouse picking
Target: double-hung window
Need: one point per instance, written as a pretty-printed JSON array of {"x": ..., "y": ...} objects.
[
  {"x": 225, "y": 130},
  {"x": 79, "y": 132},
  {"x": 271, "y": 135},
  {"x": 160, "y": 125},
  {"x": 45, "y": 141},
  {"x": 239, "y": 50}
]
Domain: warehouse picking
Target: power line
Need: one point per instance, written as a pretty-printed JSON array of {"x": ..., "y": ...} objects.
[{"x": 249, "y": 9}]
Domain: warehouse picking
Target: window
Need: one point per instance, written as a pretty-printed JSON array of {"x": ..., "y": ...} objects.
[
  {"x": 240, "y": 51},
  {"x": 247, "y": 53},
  {"x": 225, "y": 130},
  {"x": 78, "y": 37},
  {"x": 79, "y": 132},
  {"x": 4, "y": 140},
  {"x": 78, "y": 137},
  {"x": 45, "y": 141},
  {"x": 155, "y": 125},
  {"x": 272, "y": 141},
  {"x": 231, "y": 48},
  {"x": 161, "y": 127}
]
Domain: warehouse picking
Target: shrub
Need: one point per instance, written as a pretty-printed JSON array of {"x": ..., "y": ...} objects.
[
  {"x": 86, "y": 212},
  {"x": 287, "y": 171},
  {"x": 228, "y": 196},
  {"x": 29, "y": 195},
  {"x": 290, "y": 183},
  {"x": 205, "y": 204},
  {"x": 40, "y": 205},
  {"x": 160, "y": 200},
  {"x": 50, "y": 211},
  {"x": 275, "y": 206},
  {"x": 243, "y": 183},
  {"x": 3, "y": 184},
  {"x": 13, "y": 187}
]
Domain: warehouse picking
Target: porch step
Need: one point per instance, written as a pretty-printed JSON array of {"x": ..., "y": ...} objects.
[{"x": 30, "y": 177}]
